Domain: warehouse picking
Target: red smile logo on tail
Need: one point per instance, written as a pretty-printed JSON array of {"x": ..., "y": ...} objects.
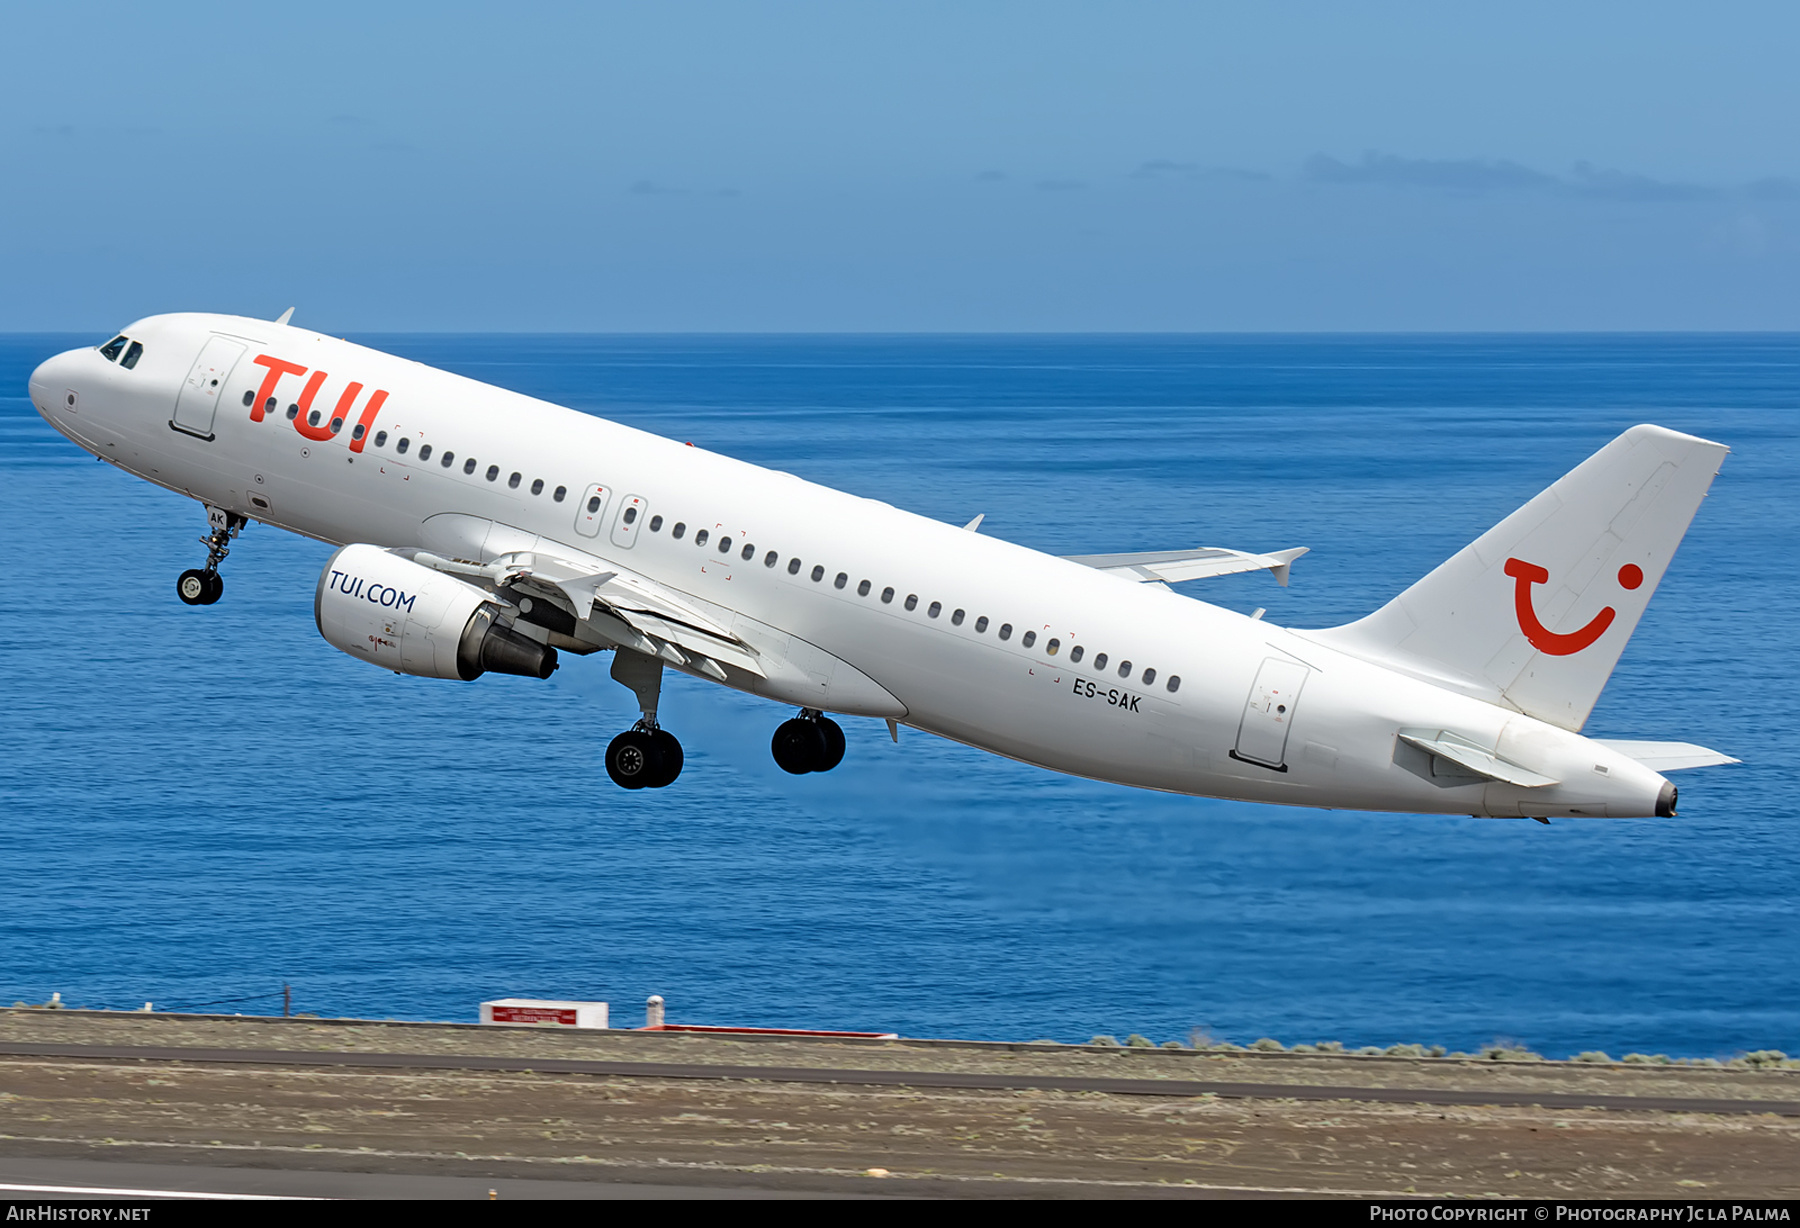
[{"x": 1542, "y": 638}]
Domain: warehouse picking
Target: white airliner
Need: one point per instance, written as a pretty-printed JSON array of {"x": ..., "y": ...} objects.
[{"x": 481, "y": 530}]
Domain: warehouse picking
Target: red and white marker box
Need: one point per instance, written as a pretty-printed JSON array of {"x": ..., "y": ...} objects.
[{"x": 542, "y": 1013}]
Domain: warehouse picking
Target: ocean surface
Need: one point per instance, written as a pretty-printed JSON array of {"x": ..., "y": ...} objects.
[{"x": 199, "y": 805}]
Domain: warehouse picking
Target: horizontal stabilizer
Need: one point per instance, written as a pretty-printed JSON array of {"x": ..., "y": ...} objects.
[
  {"x": 1174, "y": 566},
  {"x": 1481, "y": 762},
  {"x": 1667, "y": 756}
]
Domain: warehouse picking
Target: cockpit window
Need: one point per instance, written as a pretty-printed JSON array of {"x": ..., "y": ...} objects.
[
  {"x": 110, "y": 351},
  {"x": 132, "y": 355}
]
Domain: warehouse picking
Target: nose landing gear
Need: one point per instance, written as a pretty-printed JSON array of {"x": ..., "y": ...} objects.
[
  {"x": 811, "y": 742},
  {"x": 204, "y": 585}
]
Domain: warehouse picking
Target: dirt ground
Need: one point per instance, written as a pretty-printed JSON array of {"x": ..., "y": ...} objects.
[{"x": 929, "y": 1141}]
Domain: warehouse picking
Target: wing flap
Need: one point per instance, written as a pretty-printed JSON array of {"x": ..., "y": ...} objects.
[{"x": 603, "y": 595}]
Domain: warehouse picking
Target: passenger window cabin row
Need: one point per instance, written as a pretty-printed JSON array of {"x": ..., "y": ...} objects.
[
  {"x": 1052, "y": 646},
  {"x": 446, "y": 458},
  {"x": 726, "y": 545}
]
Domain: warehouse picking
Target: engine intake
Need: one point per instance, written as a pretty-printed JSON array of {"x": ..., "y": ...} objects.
[{"x": 394, "y": 613}]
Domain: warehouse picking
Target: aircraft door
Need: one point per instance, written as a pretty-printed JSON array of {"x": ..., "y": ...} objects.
[
  {"x": 1269, "y": 713},
  {"x": 628, "y": 521},
  {"x": 198, "y": 401},
  {"x": 590, "y": 513}
]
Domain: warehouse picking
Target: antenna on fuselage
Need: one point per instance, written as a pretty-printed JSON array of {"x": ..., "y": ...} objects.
[
  {"x": 974, "y": 526},
  {"x": 285, "y": 316}
]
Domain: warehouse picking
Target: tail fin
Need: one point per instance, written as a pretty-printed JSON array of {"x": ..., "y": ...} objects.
[{"x": 1535, "y": 612}]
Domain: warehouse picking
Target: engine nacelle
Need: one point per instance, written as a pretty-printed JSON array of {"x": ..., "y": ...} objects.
[{"x": 392, "y": 612}]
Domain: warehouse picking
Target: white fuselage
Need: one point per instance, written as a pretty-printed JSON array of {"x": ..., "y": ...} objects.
[{"x": 937, "y": 663}]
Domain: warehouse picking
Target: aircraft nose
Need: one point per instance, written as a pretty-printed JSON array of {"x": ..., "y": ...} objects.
[{"x": 50, "y": 385}]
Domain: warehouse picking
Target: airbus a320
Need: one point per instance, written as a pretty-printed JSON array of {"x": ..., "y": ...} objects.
[{"x": 482, "y": 531}]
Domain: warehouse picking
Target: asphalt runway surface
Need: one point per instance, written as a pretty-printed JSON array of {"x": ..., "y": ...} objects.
[{"x": 54, "y": 1180}]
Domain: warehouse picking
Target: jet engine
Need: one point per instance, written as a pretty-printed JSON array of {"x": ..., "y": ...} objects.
[{"x": 394, "y": 613}]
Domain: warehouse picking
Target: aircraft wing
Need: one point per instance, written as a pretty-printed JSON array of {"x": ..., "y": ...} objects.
[
  {"x": 1174, "y": 566},
  {"x": 619, "y": 605}
]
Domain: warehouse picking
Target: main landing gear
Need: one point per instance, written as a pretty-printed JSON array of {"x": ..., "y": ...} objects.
[
  {"x": 646, "y": 756},
  {"x": 811, "y": 742},
  {"x": 204, "y": 585}
]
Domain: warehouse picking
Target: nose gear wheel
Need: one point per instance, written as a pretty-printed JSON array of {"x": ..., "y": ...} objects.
[
  {"x": 196, "y": 587},
  {"x": 204, "y": 585}
]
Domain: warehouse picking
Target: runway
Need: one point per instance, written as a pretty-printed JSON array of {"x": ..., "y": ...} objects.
[
  {"x": 831, "y": 1076},
  {"x": 336, "y": 1108}
]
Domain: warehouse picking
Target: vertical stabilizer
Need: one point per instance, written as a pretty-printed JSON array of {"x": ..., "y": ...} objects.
[{"x": 1535, "y": 612}]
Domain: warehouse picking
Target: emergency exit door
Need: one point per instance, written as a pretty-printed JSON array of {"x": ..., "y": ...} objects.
[
  {"x": 629, "y": 520},
  {"x": 590, "y": 513}
]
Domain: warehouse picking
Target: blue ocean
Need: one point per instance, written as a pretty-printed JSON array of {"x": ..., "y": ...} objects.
[{"x": 202, "y": 804}]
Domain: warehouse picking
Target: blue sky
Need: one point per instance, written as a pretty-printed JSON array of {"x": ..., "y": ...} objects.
[{"x": 843, "y": 166}]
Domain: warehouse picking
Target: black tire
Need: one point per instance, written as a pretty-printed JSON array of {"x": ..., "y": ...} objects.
[
  {"x": 633, "y": 760},
  {"x": 215, "y": 587},
  {"x": 192, "y": 587},
  {"x": 798, "y": 747},
  {"x": 669, "y": 752},
  {"x": 834, "y": 743}
]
